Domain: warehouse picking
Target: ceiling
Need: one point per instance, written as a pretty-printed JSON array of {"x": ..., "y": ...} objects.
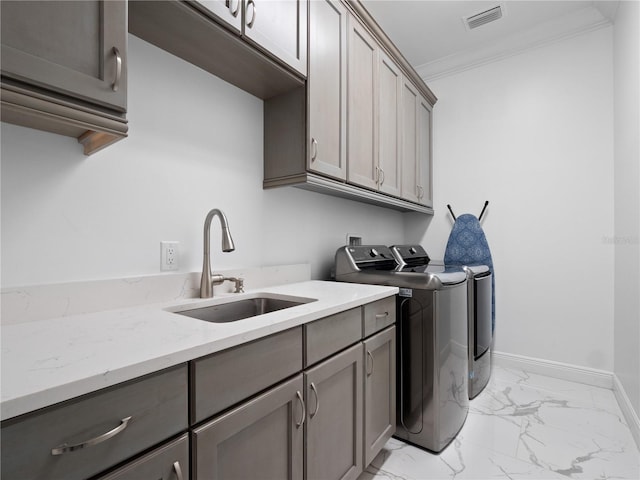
[{"x": 432, "y": 36}]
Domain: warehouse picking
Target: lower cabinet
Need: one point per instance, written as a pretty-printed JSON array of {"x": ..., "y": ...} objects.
[
  {"x": 169, "y": 462},
  {"x": 261, "y": 438},
  {"x": 379, "y": 399},
  {"x": 86, "y": 436},
  {"x": 315, "y": 402},
  {"x": 333, "y": 391}
]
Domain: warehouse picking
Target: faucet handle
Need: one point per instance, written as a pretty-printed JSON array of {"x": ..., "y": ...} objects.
[{"x": 239, "y": 282}]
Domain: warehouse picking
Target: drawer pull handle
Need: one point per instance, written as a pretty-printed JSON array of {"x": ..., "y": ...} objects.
[
  {"x": 315, "y": 392},
  {"x": 64, "y": 448},
  {"x": 304, "y": 410},
  {"x": 369, "y": 373},
  {"x": 178, "y": 470},
  {"x": 382, "y": 315},
  {"x": 116, "y": 82}
]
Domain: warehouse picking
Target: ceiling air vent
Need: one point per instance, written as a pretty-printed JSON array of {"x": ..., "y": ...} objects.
[{"x": 482, "y": 18}]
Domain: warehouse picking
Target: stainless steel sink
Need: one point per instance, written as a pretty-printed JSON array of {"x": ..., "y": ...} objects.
[{"x": 244, "y": 308}]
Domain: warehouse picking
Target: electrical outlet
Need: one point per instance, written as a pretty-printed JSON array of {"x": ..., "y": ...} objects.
[{"x": 169, "y": 256}]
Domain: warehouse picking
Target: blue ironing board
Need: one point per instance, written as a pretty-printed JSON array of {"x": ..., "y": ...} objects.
[{"x": 467, "y": 245}]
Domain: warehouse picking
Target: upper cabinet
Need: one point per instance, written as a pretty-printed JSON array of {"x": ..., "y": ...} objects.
[
  {"x": 259, "y": 46},
  {"x": 383, "y": 156},
  {"x": 64, "y": 68},
  {"x": 362, "y": 148},
  {"x": 373, "y": 153},
  {"x": 279, "y": 27},
  {"x": 326, "y": 88},
  {"x": 416, "y": 146}
]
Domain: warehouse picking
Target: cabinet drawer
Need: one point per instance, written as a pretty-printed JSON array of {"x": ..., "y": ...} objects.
[
  {"x": 225, "y": 378},
  {"x": 379, "y": 315},
  {"x": 331, "y": 334},
  {"x": 96, "y": 424},
  {"x": 168, "y": 462}
]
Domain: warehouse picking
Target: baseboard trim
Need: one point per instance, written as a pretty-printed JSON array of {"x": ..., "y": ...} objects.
[
  {"x": 564, "y": 371},
  {"x": 574, "y": 373},
  {"x": 627, "y": 409}
]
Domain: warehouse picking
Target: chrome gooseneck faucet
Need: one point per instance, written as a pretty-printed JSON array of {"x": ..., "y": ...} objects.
[{"x": 208, "y": 279}]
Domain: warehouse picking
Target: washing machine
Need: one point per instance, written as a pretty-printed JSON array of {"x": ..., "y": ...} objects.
[
  {"x": 480, "y": 335},
  {"x": 432, "y": 349}
]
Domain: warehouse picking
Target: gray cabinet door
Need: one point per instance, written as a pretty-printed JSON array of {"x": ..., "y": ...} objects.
[
  {"x": 424, "y": 153},
  {"x": 410, "y": 98},
  {"x": 333, "y": 392},
  {"x": 389, "y": 148},
  {"x": 362, "y": 149},
  {"x": 327, "y": 99},
  {"x": 226, "y": 11},
  {"x": 73, "y": 48},
  {"x": 280, "y": 28},
  {"x": 262, "y": 438},
  {"x": 379, "y": 392}
]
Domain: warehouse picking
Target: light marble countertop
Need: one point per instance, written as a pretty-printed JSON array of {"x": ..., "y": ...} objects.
[{"x": 49, "y": 361}]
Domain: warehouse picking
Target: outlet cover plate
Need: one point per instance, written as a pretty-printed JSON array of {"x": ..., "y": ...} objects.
[{"x": 169, "y": 256}]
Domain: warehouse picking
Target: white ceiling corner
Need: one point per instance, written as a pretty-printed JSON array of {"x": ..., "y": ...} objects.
[{"x": 432, "y": 36}]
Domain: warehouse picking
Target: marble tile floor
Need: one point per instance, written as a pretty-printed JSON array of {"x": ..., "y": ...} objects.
[{"x": 525, "y": 426}]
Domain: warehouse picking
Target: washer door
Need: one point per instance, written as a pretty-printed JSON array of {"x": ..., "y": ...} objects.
[{"x": 482, "y": 320}]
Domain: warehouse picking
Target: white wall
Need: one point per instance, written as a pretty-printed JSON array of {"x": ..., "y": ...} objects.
[
  {"x": 195, "y": 143},
  {"x": 533, "y": 135},
  {"x": 627, "y": 199}
]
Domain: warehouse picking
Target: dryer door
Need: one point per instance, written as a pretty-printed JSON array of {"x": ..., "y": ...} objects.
[{"x": 482, "y": 317}]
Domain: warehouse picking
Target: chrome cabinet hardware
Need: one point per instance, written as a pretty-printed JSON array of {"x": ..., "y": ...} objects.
[
  {"x": 230, "y": 4},
  {"x": 304, "y": 410},
  {"x": 251, "y": 4},
  {"x": 315, "y": 392},
  {"x": 382, "y": 179},
  {"x": 314, "y": 149},
  {"x": 116, "y": 82},
  {"x": 64, "y": 448},
  {"x": 382, "y": 315},
  {"x": 369, "y": 373},
  {"x": 178, "y": 470}
]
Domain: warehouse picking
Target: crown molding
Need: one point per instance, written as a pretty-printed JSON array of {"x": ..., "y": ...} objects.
[{"x": 577, "y": 23}]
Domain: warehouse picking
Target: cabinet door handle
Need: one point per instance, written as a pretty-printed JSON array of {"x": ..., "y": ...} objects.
[
  {"x": 315, "y": 392},
  {"x": 304, "y": 410},
  {"x": 371, "y": 357},
  {"x": 382, "y": 179},
  {"x": 64, "y": 448},
  {"x": 116, "y": 82},
  {"x": 234, "y": 12},
  {"x": 314, "y": 149},
  {"x": 178, "y": 470},
  {"x": 251, "y": 4}
]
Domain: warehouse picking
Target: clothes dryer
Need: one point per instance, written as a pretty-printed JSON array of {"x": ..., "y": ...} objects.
[{"x": 479, "y": 294}]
